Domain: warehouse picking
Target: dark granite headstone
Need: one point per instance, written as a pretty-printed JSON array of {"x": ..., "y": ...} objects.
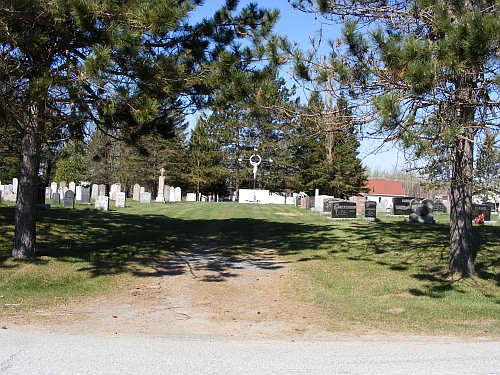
[
  {"x": 69, "y": 199},
  {"x": 56, "y": 198},
  {"x": 327, "y": 204},
  {"x": 439, "y": 207},
  {"x": 484, "y": 209},
  {"x": 85, "y": 195},
  {"x": 370, "y": 209},
  {"x": 402, "y": 206},
  {"x": 311, "y": 202},
  {"x": 422, "y": 207},
  {"x": 343, "y": 210}
]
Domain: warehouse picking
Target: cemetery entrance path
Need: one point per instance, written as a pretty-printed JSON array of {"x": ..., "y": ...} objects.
[{"x": 196, "y": 294}]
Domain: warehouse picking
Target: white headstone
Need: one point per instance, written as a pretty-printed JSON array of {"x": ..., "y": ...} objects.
[
  {"x": 102, "y": 203},
  {"x": 53, "y": 188},
  {"x": 177, "y": 194},
  {"x": 160, "y": 198},
  {"x": 120, "y": 199},
  {"x": 15, "y": 184},
  {"x": 78, "y": 193},
  {"x": 136, "y": 193},
  {"x": 115, "y": 188},
  {"x": 145, "y": 198},
  {"x": 95, "y": 191},
  {"x": 191, "y": 197},
  {"x": 72, "y": 187}
]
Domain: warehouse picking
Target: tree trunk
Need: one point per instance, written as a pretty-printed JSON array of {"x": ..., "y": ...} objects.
[
  {"x": 461, "y": 249},
  {"x": 25, "y": 214}
]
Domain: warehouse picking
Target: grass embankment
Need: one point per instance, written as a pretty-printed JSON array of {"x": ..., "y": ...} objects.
[{"x": 388, "y": 276}]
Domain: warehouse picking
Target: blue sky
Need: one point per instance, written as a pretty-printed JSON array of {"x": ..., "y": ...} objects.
[{"x": 300, "y": 27}]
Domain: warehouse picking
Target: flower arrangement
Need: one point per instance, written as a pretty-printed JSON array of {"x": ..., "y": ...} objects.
[{"x": 479, "y": 219}]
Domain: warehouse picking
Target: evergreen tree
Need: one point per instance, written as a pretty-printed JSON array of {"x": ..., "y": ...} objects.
[
  {"x": 329, "y": 150},
  {"x": 72, "y": 164},
  {"x": 209, "y": 173},
  {"x": 424, "y": 73},
  {"x": 487, "y": 172},
  {"x": 121, "y": 66}
]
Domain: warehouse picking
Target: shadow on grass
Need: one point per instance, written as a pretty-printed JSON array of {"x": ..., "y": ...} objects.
[{"x": 112, "y": 242}]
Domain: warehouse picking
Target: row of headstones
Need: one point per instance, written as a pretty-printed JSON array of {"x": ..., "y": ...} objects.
[
  {"x": 9, "y": 192},
  {"x": 95, "y": 190},
  {"x": 170, "y": 194},
  {"x": 101, "y": 201}
]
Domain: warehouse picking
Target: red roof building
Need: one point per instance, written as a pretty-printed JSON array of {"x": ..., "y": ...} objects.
[{"x": 385, "y": 188}]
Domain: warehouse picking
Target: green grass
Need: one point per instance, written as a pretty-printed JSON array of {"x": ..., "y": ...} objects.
[{"x": 388, "y": 276}]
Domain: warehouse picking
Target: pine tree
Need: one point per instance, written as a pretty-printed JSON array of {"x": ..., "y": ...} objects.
[
  {"x": 119, "y": 66},
  {"x": 487, "y": 171},
  {"x": 329, "y": 150},
  {"x": 423, "y": 73}
]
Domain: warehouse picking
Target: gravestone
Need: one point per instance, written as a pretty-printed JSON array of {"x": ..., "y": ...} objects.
[
  {"x": 102, "y": 203},
  {"x": 136, "y": 193},
  {"x": 95, "y": 191},
  {"x": 78, "y": 193},
  {"x": 327, "y": 205},
  {"x": 48, "y": 195},
  {"x": 15, "y": 185},
  {"x": 177, "y": 194},
  {"x": 102, "y": 190},
  {"x": 484, "y": 209},
  {"x": 160, "y": 198},
  {"x": 191, "y": 197},
  {"x": 120, "y": 200},
  {"x": 85, "y": 195},
  {"x": 69, "y": 199},
  {"x": 56, "y": 198},
  {"x": 115, "y": 188},
  {"x": 439, "y": 207},
  {"x": 402, "y": 206},
  {"x": 370, "y": 210},
  {"x": 62, "y": 184},
  {"x": 311, "y": 203},
  {"x": 166, "y": 194},
  {"x": 53, "y": 188},
  {"x": 72, "y": 187},
  {"x": 145, "y": 198},
  {"x": 422, "y": 207},
  {"x": 344, "y": 210}
]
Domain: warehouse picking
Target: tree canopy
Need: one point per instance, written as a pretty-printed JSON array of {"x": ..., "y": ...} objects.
[
  {"x": 423, "y": 73},
  {"x": 71, "y": 67}
]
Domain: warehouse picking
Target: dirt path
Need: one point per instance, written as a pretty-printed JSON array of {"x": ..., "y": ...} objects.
[{"x": 194, "y": 294}]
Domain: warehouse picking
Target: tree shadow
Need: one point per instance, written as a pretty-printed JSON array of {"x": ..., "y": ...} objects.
[{"x": 112, "y": 242}]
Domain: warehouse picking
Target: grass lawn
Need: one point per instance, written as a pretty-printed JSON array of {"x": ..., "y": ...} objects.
[{"x": 388, "y": 276}]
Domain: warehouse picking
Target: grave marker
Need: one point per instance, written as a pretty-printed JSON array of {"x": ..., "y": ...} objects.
[
  {"x": 102, "y": 203},
  {"x": 95, "y": 191},
  {"x": 344, "y": 210},
  {"x": 56, "y": 198},
  {"x": 120, "y": 200},
  {"x": 402, "y": 206},
  {"x": 85, "y": 195},
  {"x": 136, "y": 194},
  {"x": 484, "y": 209},
  {"x": 69, "y": 199},
  {"x": 145, "y": 198},
  {"x": 370, "y": 210}
]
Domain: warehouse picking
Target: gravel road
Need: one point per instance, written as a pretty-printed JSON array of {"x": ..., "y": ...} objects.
[{"x": 67, "y": 353}]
